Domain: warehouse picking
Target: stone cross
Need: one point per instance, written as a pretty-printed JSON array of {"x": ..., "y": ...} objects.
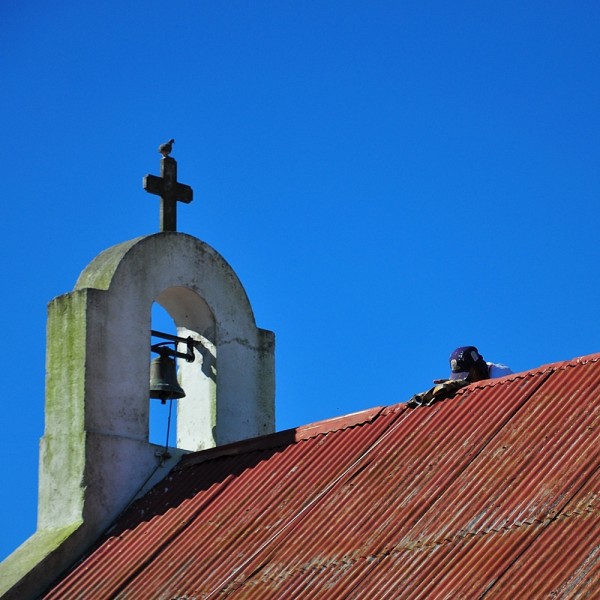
[{"x": 170, "y": 191}]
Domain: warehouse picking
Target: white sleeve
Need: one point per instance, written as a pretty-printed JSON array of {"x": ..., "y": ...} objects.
[{"x": 498, "y": 370}]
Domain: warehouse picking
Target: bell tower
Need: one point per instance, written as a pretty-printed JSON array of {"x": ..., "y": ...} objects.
[
  {"x": 95, "y": 454},
  {"x": 229, "y": 386}
]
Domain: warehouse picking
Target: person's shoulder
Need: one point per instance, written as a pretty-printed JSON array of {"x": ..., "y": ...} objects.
[{"x": 499, "y": 370}]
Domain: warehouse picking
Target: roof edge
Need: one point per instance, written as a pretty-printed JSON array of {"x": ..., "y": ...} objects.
[
  {"x": 297, "y": 434},
  {"x": 485, "y": 383},
  {"x": 541, "y": 370},
  {"x": 282, "y": 438}
]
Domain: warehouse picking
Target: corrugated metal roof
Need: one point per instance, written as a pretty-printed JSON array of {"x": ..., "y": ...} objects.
[{"x": 493, "y": 492}]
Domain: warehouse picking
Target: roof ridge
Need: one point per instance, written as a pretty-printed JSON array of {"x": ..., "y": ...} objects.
[
  {"x": 578, "y": 361},
  {"x": 304, "y": 432},
  {"x": 484, "y": 383},
  {"x": 281, "y": 438}
]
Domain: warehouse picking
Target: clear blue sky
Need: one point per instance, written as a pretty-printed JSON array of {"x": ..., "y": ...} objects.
[{"x": 389, "y": 180}]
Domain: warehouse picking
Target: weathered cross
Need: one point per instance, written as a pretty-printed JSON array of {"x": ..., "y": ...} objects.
[{"x": 170, "y": 191}]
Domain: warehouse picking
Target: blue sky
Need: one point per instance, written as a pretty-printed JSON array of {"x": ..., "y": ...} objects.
[{"x": 390, "y": 180}]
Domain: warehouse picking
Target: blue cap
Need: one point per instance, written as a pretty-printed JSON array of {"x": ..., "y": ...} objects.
[{"x": 461, "y": 361}]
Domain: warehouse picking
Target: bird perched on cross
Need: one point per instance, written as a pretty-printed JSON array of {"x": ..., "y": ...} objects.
[{"x": 165, "y": 149}]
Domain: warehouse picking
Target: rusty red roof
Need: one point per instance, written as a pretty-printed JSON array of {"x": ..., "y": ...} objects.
[{"x": 493, "y": 492}]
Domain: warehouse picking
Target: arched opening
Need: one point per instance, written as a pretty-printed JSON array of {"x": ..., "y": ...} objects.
[{"x": 182, "y": 312}]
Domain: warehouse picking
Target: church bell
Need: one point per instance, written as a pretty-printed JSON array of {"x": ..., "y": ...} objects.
[{"x": 163, "y": 379}]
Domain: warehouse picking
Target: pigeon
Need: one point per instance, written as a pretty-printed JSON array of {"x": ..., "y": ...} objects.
[{"x": 165, "y": 149}]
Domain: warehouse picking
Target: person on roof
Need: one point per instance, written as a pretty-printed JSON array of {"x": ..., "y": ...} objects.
[{"x": 467, "y": 364}]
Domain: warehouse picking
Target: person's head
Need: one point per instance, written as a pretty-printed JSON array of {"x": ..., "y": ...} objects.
[{"x": 467, "y": 363}]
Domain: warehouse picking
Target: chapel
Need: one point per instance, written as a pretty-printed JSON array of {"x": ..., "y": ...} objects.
[{"x": 470, "y": 495}]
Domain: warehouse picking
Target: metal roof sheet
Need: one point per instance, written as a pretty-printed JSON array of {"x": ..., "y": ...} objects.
[{"x": 474, "y": 495}]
